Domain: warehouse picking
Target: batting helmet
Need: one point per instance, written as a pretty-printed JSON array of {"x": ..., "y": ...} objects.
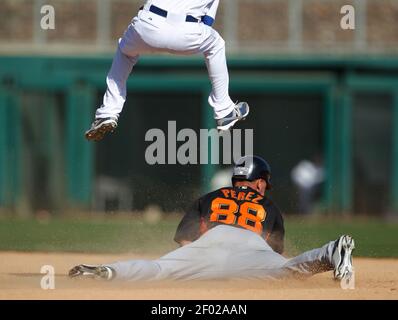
[{"x": 249, "y": 168}]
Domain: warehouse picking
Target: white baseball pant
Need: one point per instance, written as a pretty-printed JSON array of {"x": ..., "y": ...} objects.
[{"x": 151, "y": 33}]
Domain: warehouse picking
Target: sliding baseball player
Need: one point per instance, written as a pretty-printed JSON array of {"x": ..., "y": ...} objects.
[{"x": 233, "y": 232}]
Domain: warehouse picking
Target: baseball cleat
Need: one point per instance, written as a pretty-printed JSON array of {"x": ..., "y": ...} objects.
[
  {"x": 240, "y": 112},
  {"x": 342, "y": 257},
  {"x": 100, "y": 127},
  {"x": 90, "y": 271}
]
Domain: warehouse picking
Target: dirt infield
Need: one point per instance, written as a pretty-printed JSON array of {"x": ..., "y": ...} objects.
[{"x": 20, "y": 279}]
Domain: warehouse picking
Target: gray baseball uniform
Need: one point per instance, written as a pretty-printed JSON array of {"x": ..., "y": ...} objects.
[{"x": 235, "y": 233}]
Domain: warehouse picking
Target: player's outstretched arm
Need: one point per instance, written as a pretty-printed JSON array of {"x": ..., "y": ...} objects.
[
  {"x": 276, "y": 238},
  {"x": 189, "y": 228}
]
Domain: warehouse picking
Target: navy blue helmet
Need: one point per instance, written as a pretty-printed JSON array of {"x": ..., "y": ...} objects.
[{"x": 250, "y": 168}]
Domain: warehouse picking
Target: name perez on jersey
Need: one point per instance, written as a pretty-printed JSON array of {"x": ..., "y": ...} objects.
[
  {"x": 240, "y": 207},
  {"x": 242, "y": 196}
]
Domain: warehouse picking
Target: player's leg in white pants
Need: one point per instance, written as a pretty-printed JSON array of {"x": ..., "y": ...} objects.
[
  {"x": 213, "y": 49},
  {"x": 149, "y": 33},
  {"x": 115, "y": 94},
  {"x": 129, "y": 48},
  {"x": 186, "y": 38}
]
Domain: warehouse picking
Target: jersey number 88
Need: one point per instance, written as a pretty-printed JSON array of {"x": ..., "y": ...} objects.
[{"x": 251, "y": 215}]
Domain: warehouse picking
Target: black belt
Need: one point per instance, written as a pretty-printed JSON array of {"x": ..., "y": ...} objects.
[{"x": 163, "y": 13}]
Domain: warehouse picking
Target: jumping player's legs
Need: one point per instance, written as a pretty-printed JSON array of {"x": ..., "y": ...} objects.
[
  {"x": 213, "y": 49},
  {"x": 115, "y": 94},
  {"x": 130, "y": 46},
  {"x": 186, "y": 38}
]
